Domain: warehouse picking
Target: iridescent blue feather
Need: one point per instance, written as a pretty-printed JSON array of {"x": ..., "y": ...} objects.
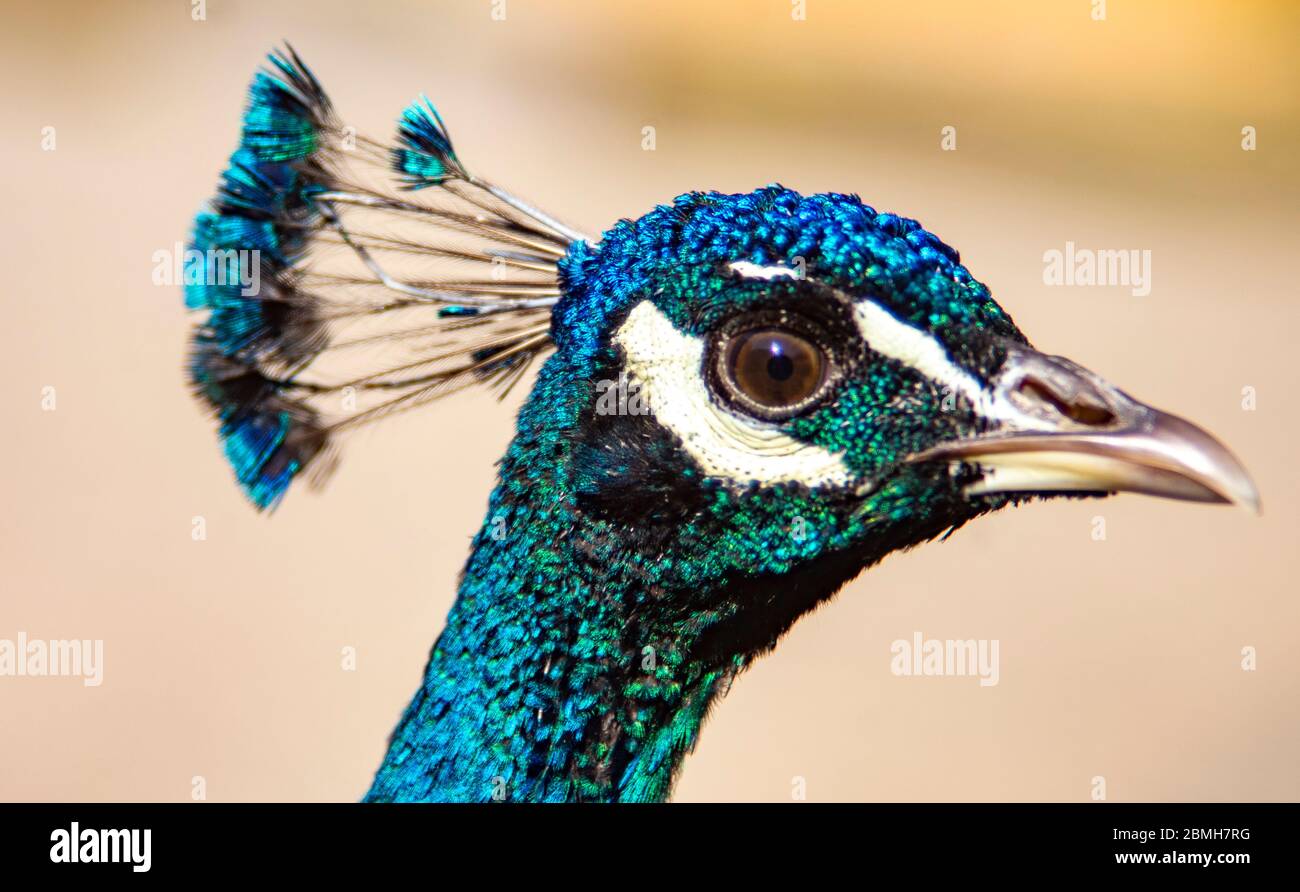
[
  {"x": 266, "y": 438},
  {"x": 286, "y": 112},
  {"x": 255, "y": 264},
  {"x": 264, "y": 207},
  {"x": 425, "y": 156}
]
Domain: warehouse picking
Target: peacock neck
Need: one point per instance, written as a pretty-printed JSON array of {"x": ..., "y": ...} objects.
[{"x": 560, "y": 675}]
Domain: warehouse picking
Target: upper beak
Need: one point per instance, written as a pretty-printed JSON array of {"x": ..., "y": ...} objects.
[{"x": 1066, "y": 429}]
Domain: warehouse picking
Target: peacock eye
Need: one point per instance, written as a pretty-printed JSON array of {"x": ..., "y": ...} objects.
[{"x": 774, "y": 370}]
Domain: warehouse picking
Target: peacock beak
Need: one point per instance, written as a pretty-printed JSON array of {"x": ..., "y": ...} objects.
[{"x": 1058, "y": 427}]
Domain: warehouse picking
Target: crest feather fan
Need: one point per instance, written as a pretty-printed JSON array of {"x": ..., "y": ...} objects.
[{"x": 314, "y": 262}]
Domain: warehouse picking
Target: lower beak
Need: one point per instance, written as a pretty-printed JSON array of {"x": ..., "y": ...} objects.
[{"x": 1064, "y": 429}]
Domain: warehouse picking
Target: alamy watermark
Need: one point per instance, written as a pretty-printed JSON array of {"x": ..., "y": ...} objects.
[
  {"x": 179, "y": 265},
  {"x": 1089, "y": 267},
  {"x": 621, "y": 396},
  {"x": 977, "y": 658},
  {"x": 78, "y": 845},
  {"x": 73, "y": 658}
]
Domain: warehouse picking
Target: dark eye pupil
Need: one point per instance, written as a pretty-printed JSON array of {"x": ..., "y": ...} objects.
[
  {"x": 773, "y": 368},
  {"x": 780, "y": 366}
]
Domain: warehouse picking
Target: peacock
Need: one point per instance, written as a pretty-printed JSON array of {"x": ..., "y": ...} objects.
[{"x": 741, "y": 401}]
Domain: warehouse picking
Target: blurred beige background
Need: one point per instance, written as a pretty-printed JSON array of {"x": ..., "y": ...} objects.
[{"x": 1119, "y": 658}]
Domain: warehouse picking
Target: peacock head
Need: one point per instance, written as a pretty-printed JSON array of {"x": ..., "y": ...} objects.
[
  {"x": 784, "y": 382},
  {"x": 741, "y": 385},
  {"x": 746, "y": 399}
]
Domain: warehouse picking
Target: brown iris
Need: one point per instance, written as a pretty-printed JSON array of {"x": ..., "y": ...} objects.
[{"x": 775, "y": 369}]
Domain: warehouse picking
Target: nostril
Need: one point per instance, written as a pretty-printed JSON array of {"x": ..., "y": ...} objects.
[{"x": 1077, "y": 410}]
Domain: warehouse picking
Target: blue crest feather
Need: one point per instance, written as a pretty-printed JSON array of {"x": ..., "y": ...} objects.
[
  {"x": 286, "y": 111},
  {"x": 425, "y": 156},
  {"x": 266, "y": 437},
  {"x": 275, "y": 303},
  {"x": 259, "y": 218}
]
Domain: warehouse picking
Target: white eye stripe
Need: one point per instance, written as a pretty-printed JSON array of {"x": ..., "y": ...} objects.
[
  {"x": 747, "y": 270},
  {"x": 919, "y": 350},
  {"x": 667, "y": 364},
  {"x": 889, "y": 336}
]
